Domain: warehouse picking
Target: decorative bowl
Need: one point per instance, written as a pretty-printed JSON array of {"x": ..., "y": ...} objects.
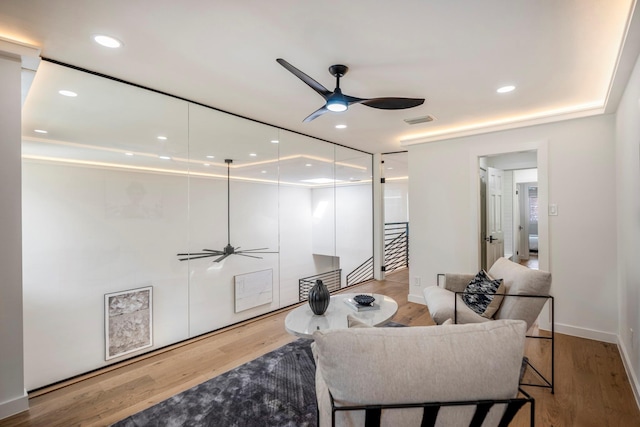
[{"x": 364, "y": 299}]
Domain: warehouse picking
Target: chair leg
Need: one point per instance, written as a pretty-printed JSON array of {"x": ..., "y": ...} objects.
[{"x": 550, "y": 384}]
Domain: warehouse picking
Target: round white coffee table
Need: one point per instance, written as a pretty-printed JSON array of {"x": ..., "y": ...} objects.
[{"x": 303, "y": 323}]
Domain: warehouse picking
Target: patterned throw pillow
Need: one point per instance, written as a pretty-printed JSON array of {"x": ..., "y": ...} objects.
[{"x": 485, "y": 304}]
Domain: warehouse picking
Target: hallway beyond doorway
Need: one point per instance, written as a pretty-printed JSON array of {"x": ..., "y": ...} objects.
[{"x": 532, "y": 262}]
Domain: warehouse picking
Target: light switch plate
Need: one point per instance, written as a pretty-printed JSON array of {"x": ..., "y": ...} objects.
[{"x": 553, "y": 209}]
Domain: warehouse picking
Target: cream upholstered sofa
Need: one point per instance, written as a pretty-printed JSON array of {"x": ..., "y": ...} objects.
[
  {"x": 444, "y": 304},
  {"x": 382, "y": 367}
]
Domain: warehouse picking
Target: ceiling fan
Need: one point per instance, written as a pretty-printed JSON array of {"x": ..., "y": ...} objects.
[
  {"x": 228, "y": 250},
  {"x": 336, "y": 101}
]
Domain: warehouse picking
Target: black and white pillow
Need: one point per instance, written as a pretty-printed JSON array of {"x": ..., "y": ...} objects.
[{"x": 485, "y": 303}]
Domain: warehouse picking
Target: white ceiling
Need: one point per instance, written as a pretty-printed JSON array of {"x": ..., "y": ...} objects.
[{"x": 560, "y": 55}]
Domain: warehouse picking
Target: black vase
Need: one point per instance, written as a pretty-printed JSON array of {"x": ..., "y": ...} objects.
[{"x": 319, "y": 298}]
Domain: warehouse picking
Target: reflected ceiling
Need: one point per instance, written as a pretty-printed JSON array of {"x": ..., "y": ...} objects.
[{"x": 119, "y": 126}]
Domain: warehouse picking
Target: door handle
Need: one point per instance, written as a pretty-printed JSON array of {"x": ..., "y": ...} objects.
[{"x": 490, "y": 239}]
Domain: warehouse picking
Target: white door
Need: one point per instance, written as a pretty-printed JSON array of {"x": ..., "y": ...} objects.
[
  {"x": 523, "y": 228},
  {"x": 494, "y": 205}
]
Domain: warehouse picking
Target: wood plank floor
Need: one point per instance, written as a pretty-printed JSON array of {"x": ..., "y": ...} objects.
[{"x": 592, "y": 388}]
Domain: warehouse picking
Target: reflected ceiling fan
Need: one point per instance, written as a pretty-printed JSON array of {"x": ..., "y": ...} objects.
[
  {"x": 228, "y": 250},
  {"x": 336, "y": 101}
]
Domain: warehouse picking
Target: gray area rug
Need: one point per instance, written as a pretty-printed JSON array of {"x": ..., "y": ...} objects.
[{"x": 277, "y": 389}]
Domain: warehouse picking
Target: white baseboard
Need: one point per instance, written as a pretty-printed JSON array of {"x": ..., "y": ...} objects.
[
  {"x": 14, "y": 406},
  {"x": 628, "y": 367},
  {"x": 591, "y": 334},
  {"x": 418, "y": 299}
]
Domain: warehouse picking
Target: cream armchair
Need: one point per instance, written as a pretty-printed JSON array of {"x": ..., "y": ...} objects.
[
  {"x": 453, "y": 375},
  {"x": 526, "y": 293}
]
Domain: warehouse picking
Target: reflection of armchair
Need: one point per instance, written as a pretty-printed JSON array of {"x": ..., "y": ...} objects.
[
  {"x": 454, "y": 375},
  {"x": 526, "y": 293}
]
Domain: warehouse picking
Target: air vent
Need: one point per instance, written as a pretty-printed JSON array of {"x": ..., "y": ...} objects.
[{"x": 423, "y": 119}]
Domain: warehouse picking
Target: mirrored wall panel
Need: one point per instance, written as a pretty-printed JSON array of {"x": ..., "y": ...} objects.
[{"x": 223, "y": 218}]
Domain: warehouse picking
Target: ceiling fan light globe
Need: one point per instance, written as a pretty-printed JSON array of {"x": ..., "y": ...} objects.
[
  {"x": 337, "y": 102},
  {"x": 336, "y": 106}
]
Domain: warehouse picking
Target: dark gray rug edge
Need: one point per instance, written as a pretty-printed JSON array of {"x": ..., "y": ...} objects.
[{"x": 276, "y": 389}]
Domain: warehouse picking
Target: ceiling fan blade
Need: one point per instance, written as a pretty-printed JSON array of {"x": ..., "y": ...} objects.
[
  {"x": 221, "y": 258},
  {"x": 322, "y": 91},
  {"x": 392, "y": 103},
  {"x": 250, "y": 256},
  {"x": 195, "y": 253},
  {"x": 353, "y": 99},
  {"x": 251, "y": 250},
  {"x": 315, "y": 114},
  {"x": 215, "y": 251},
  {"x": 191, "y": 256}
]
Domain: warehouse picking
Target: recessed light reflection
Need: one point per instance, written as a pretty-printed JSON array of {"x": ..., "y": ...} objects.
[
  {"x": 162, "y": 138},
  {"x": 40, "y": 131},
  {"x": 211, "y": 157},
  {"x": 67, "y": 93},
  {"x": 341, "y": 126},
  {"x": 263, "y": 171},
  {"x": 128, "y": 154},
  {"x": 506, "y": 89},
  {"x": 253, "y": 154},
  {"x": 207, "y": 164},
  {"x": 308, "y": 165},
  {"x": 275, "y": 141},
  {"x": 165, "y": 157}
]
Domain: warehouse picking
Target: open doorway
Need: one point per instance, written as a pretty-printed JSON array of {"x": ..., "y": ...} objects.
[
  {"x": 527, "y": 229},
  {"x": 395, "y": 191},
  {"x": 509, "y": 208}
]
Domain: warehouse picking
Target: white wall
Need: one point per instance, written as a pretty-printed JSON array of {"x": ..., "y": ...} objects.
[
  {"x": 581, "y": 181},
  {"x": 628, "y": 232},
  {"x": 354, "y": 231},
  {"x": 396, "y": 201},
  {"x": 525, "y": 175},
  {"x": 323, "y": 202},
  {"x": 343, "y": 232},
  {"x": 295, "y": 216},
  {"x": 84, "y": 237},
  {"x": 13, "y": 398}
]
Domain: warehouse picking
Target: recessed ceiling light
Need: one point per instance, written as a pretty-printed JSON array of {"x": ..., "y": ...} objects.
[
  {"x": 207, "y": 164},
  {"x": 107, "y": 41},
  {"x": 253, "y": 154},
  {"x": 40, "y": 131},
  {"x": 67, "y": 93},
  {"x": 389, "y": 168},
  {"x": 308, "y": 164},
  {"x": 505, "y": 89},
  {"x": 211, "y": 157},
  {"x": 128, "y": 154},
  {"x": 341, "y": 126},
  {"x": 275, "y": 141},
  {"x": 162, "y": 138},
  {"x": 165, "y": 157},
  {"x": 263, "y": 171}
]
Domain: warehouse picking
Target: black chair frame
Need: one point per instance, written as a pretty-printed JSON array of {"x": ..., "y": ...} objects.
[
  {"x": 373, "y": 413},
  {"x": 547, "y": 383}
]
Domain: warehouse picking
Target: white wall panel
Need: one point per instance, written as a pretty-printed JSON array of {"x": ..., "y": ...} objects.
[
  {"x": 628, "y": 224},
  {"x": 581, "y": 250}
]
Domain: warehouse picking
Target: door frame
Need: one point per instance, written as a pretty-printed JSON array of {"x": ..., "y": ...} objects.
[{"x": 542, "y": 153}]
